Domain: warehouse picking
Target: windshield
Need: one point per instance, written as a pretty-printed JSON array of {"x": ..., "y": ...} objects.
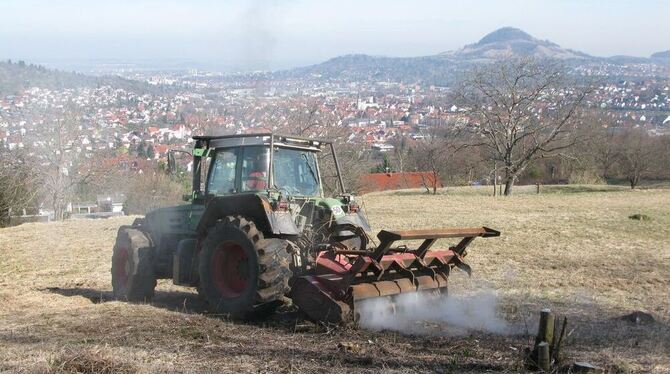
[{"x": 295, "y": 172}]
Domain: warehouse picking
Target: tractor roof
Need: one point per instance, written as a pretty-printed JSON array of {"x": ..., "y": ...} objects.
[{"x": 261, "y": 138}]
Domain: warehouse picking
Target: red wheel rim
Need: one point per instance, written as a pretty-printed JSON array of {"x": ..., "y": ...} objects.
[
  {"x": 230, "y": 269},
  {"x": 121, "y": 267}
]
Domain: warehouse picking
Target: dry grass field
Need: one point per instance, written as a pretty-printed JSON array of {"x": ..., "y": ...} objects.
[{"x": 572, "y": 249}]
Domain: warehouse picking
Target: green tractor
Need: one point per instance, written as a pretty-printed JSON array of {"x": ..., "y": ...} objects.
[{"x": 258, "y": 230}]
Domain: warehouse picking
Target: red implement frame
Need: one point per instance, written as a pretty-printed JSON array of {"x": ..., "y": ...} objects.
[{"x": 342, "y": 276}]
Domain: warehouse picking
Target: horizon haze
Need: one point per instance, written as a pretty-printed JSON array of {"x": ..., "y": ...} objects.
[{"x": 250, "y": 35}]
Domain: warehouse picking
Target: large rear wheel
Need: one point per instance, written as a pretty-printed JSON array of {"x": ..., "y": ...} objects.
[
  {"x": 241, "y": 274},
  {"x": 133, "y": 276}
]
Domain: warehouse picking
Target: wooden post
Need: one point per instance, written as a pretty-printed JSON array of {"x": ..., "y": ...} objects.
[
  {"x": 556, "y": 349},
  {"x": 547, "y": 343},
  {"x": 543, "y": 358},
  {"x": 546, "y": 331},
  {"x": 537, "y": 185}
]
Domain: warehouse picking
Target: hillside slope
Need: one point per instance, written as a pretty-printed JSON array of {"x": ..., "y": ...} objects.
[
  {"x": 18, "y": 76},
  {"x": 443, "y": 68},
  {"x": 577, "y": 253},
  {"x": 510, "y": 41}
]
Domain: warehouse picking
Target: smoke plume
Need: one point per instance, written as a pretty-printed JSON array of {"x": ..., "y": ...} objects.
[{"x": 429, "y": 314}]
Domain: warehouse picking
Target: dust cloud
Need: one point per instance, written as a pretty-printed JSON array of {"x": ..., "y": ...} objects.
[{"x": 430, "y": 314}]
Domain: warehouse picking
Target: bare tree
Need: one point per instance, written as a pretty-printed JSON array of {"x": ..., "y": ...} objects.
[
  {"x": 434, "y": 152},
  {"x": 18, "y": 184},
  {"x": 637, "y": 154},
  {"x": 599, "y": 145},
  {"x": 60, "y": 165},
  {"x": 311, "y": 120},
  {"x": 307, "y": 119},
  {"x": 521, "y": 110},
  {"x": 149, "y": 191},
  {"x": 402, "y": 151}
]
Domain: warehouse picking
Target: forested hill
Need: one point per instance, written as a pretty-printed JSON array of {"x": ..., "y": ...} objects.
[{"x": 18, "y": 76}]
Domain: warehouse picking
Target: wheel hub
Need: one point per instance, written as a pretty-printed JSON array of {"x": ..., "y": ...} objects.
[{"x": 230, "y": 269}]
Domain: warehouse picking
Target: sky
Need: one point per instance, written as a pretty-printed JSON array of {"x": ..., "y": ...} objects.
[{"x": 279, "y": 34}]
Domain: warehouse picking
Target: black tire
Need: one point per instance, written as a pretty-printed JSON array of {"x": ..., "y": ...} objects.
[
  {"x": 240, "y": 273},
  {"x": 133, "y": 276}
]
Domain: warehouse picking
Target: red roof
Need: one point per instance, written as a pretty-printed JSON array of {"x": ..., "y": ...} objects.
[
  {"x": 161, "y": 149},
  {"x": 396, "y": 181}
]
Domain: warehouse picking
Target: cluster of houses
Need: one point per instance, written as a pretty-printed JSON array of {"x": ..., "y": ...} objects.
[{"x": 124, "y": 124}]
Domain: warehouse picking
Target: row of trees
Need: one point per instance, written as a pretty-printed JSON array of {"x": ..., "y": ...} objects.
[
  {"x": 528, "y": 120},
  {"x": 599, "y": 155}
]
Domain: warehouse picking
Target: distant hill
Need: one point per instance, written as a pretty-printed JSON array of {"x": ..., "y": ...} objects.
[
  {"x": 663, "y": 54},
  {"x": 509, "y": 41},
  {"x": 364, "y": 67},
  {"x": 442, "y": 68},
  {"x": 18, "y": 76}
]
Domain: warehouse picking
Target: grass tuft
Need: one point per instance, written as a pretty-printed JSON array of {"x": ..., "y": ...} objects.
[{"x": 85, "y": 361}]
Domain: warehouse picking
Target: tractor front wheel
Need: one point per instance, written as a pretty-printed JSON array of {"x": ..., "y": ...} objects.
[
  {"x": 241, "y": 274},
  {"x": 133, "y": 276}
]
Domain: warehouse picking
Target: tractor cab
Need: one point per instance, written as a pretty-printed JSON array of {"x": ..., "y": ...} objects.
[
  {"x": 249, "y": 168},
  {"x": 242, "y": 164}
]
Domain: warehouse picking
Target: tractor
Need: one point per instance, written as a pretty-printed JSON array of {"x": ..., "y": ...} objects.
[{"x": 257, "y": 232}]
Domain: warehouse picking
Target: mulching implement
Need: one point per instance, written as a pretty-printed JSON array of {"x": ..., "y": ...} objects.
[{"x": 258, "y": 229}]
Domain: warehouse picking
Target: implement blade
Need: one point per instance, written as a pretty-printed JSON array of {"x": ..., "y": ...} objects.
[{"x": 484, "y": 232}]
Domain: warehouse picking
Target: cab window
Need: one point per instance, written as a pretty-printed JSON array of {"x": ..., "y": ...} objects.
[
  {"x": 240, "y": 169},
  {"x": 222, "y": 174},
  {"x": 295, "y": 172},
  {"x": 254, "y": 168}
]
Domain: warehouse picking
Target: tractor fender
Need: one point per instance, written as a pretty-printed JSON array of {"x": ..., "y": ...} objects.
[
  {"x": 254, "y": 207},
  {"x": 357, "y": 219},
  {"x": 342, "y": 217}
]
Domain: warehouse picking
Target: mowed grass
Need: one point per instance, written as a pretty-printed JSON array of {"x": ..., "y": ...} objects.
[{"x": 572, "y": 249}]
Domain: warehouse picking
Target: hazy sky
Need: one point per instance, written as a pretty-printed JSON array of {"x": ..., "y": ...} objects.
[{"x": 276, "y": 34}]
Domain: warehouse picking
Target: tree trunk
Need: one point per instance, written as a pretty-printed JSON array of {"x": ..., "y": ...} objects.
[
  {"x": 634, "y": 180},
  {"x": 495, "y": 178},
  {"x": 509, "y": 182},
  {"x": 434, "y": 183},
  {"x": 510, "y": 176}
]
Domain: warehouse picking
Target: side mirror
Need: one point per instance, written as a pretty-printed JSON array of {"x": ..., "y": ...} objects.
[{"x": 172, "y": 161}]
